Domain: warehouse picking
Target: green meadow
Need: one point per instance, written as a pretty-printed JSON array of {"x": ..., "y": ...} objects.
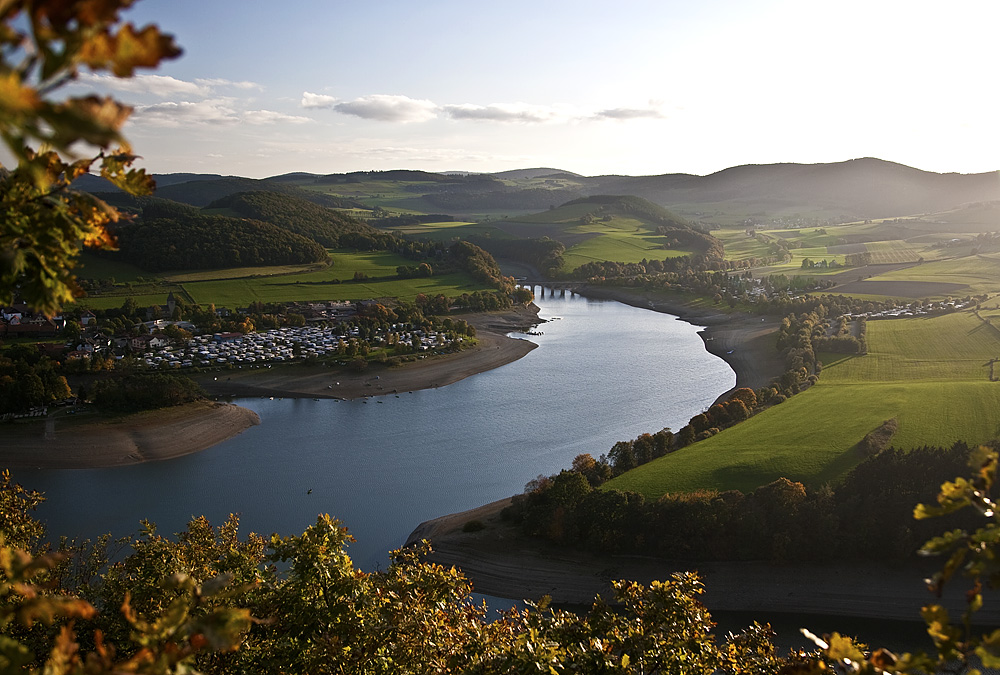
[
  {"x": 980, "y": 273},
  {"x": 931, "y": 374},
  {"x": 240, "y": 286}
]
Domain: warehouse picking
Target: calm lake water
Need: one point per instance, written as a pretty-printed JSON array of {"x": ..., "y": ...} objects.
[{"x": 603, "y": 372}]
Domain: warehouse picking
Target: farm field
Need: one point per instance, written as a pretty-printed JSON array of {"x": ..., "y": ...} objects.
[
  {"x": 980, "y": 274},
  {"x": 446, "y": 231},
  {"x": 241, "y": 286},
  {"x": 928, "y": 373},
  {"x": 620, "y": 238},
  {"x": 240, "y": 272},
  {"x": 239, "y": 292}
]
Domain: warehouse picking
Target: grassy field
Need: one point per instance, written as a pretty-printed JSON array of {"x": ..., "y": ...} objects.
[
  {"x": 446, "y": 231},
  {"x": 928, "y": 373},
  {"x": 620, "y": 239},
  {"x": 239, "y": 292},
  {"x": 237, "y": 287},
  {"x": 980, "y": 274},
  {"x": 240, "y": 273},
  {"x": 319, "y": 285}
]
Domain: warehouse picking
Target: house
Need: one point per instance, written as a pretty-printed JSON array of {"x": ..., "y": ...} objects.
[
  {"x": 87, "y": 318},
  {"x": 34, "y": 327},
  {"x": 223, "y": 338},
  {"x": 144, "y": 343},
  {"x": 156, "y": 324}
]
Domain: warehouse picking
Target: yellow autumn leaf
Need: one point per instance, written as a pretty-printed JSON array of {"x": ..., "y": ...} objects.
[{"x": 15, "y": 97}]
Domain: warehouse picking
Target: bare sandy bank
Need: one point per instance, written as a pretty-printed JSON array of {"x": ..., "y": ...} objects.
[
  {"x": 494, "y": 349},
  {"x": 501, "y": 562},
  {"x": 71, "y": 441},
  {"x": 64, "y": 441}
]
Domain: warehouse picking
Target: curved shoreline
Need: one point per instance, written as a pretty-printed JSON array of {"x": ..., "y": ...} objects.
[
  {"x": 745, "y": 341},
  {"x": 83, "y": 442},
  {"x": 501, "y": 562},
  {"x": 494, "y": 349},
  {"x": 62, "y": 441}
]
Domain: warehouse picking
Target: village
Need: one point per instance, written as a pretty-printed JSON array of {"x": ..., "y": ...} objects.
[
  {"x": 331, "y": 329},
  {"x": 287, "y": 344}
]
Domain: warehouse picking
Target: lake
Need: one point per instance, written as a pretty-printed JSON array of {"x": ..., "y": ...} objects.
[{"x": 603, "y": 372}]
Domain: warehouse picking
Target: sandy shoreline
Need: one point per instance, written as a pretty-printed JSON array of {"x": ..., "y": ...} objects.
[
  {"x": 494, "y": 349},
  {"x": 501, "y": 562},
  {"x": 85, "y": 441}
]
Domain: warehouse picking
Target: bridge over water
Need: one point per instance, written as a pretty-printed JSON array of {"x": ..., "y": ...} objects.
[{"x": 552, "y": 288}]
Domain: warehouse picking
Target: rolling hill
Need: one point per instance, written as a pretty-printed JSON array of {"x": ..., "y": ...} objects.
[{"x": 860, "y": 188}]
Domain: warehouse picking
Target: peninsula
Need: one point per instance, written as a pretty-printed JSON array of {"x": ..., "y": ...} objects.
[{"x": 73, "y": 441}]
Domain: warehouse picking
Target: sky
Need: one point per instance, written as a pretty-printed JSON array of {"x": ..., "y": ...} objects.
[{"x": 628, "y": 87}]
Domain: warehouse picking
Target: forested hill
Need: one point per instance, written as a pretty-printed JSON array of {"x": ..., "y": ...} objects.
[
  {"x": 204, "y": 192},
  {"x": 197, "y": 241},
  {"x": 861, "y": 188},
  {"x": 203, "y": 189},
  {"x": 295, "y": 214}
]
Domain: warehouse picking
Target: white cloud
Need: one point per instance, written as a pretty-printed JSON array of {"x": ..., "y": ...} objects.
[
  {"x": 271, "y": 117},
  {"x": 160, "y": 85},
  {"x": 629, "y": 114},
  {"x": 214, "y": 111},
  {"x": 311, "y": 100},
  {"x": 386, "y": 108},
  {"x": 180, "y": 113},
  {"x": 216, "y": 82},
  {"x": 506, "y": 112}
]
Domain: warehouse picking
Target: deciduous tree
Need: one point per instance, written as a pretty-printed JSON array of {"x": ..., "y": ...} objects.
[{"x": 44, "y": 45}]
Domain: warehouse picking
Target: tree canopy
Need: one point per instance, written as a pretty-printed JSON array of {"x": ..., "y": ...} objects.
[{"x": 44, "y": 44}]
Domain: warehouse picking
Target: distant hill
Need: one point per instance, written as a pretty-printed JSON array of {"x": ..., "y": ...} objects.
[
  {"x": 204, "y": 192},
  {"x": 528, "y": 174},
  {"x": 395, "y": 174},
  {"x": 93, "y": 183},
  {"x": 851, "y": 190},
  {"x": 861, "y": 188},
  {"x": 294, "y": 214}
]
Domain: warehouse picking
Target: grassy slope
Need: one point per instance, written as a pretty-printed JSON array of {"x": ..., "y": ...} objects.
[
  {"x": 927, "y": 373},
  {"x": 623, "y": 238}
]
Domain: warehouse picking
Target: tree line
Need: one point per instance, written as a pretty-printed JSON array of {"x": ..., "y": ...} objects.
[
  {"x": 29, "y": 379},
  {"x": 213, "y": 601},
  {"x": 868, "y": 516}
]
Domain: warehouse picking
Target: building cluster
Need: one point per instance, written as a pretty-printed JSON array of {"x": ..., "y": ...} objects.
[
  {"x": 918, "y": 310},
  {"x": 19, "y": 321},
  {"x": 284, "y": 344}
]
